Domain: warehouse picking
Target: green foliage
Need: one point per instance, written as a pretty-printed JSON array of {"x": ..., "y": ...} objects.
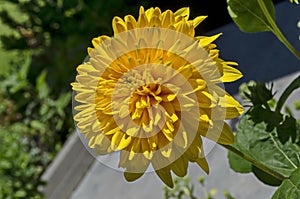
[
  {"x": 48, "y": 39},
  {"x": 267, "y": 137},
  {"x": 29, "y": 129},
  {"x": 249, "y": 16},
  {"x": 238, "y": 164},
  {"x": 257, "y": 16},
  {"x": 42, "y": 42},
  {"x": 57, "y": 32},
  {"x": 43, "y": 113},
  {"x": 20, "y": 165},
  {"x": 265, "y": 177},
  {"x": 267, "y": 142},
  {"x": 290, "y": 188},
  {"x": 183, "y": 188}
]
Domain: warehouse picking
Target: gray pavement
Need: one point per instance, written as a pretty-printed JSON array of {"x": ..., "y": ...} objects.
[{"x": 103, "y": 182}]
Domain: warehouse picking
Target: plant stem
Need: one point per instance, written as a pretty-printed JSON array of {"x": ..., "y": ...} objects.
[
  {"x": 276, "y": 31},
  {"x": 254, "y": 162},
  {"x": 287, "y": 92}
]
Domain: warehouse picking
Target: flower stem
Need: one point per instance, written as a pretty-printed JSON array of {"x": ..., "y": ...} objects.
[
  {"x": 287, "y": 92},
  {"x": 276, "y": 31},
  {"x": 254, "y": 162}
]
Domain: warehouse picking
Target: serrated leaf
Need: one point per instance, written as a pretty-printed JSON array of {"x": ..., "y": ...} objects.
[
  {"x": 290, "y": 188},
  {"x": 265, "y": 147},
  {"x": 238, "y": 164},
  {"x": 249, "y": 16}
]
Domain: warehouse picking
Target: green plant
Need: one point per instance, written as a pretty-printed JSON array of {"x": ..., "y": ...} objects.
[
  {"x": 20, "y": 165},
  {"x": 41, "y": 43},
  {"x": 183, "y": 188},
  {"x": 267, "y": 140},
  {"x": 28, "y": 131}
]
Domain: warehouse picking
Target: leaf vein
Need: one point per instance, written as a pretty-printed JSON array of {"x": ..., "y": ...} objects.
[
  {"x": 255, "y": 15},
  {"x": 282, "y": 152}
]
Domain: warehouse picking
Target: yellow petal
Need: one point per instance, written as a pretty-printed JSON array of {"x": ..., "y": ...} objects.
[
  {"x": 179, "y": 167},
  {"x": 167, "y": 19},
  {"x": 118, "y": 25},
  {"x": 149, "y": 13},
  {"x": 233, "y": 107},
  {"x": 142, "y": 21},
  {"x": 153, "y": 142},
  {"x": 96, "y": 140},
  {"x": 184, "y": 12},
  {"x": 147, "y": 152},
  {"x": 181, "y": 139},
  {"x": 138, "y": 164},
  {"x": 96, "y": 41},
  {"x": 169, "y": 135},
  {"x": 183, "y": 27},
  {"x": 165, "y": 176},
  {"x": 203, "y": 164},
  {"x": 205, "y": 41},
  {"x": 226, "y": 136},
  {"x": 166, "y": 152},
  {"x": 130, "y": 22},
  {"x": 230, "y": 74},
  {"x": 84, "y": 113},
  {"x": 130, "y": 177},
  {"x": 198, "y": 20},
  {"x": 103, "y": 148},
  {"x": 155, "y": 22},
  {"x": 120, "y": 140},
  {"x": 220, "y": 132}
]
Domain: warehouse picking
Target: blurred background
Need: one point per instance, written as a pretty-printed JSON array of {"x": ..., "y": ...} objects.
[{"x": 41, "y": 44}]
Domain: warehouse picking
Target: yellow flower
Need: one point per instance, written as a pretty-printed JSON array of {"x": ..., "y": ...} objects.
[
  {"x": 294, "y": 1},
  {"x": 151, "y": 91}
]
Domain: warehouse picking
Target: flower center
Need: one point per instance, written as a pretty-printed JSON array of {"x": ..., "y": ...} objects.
[{"x": 144, "y": 101}]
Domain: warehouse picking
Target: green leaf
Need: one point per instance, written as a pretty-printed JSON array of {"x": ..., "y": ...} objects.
[
  {"x": 63, "y": 100},
  {"x": 238, "y": 164},
  {"x": 37, "y": 125},
  {"x": 249, "y": 16},
  {"x": 265, "y": 177},
  {"x": 259, "y": 114},
  {"x": 265, "y": 146},
  {"x": 287, "y": 130},
  {"x": 42, "y": 86},
  {"x": 290, "y": 188},
  {"x": 20, "y": 194}
]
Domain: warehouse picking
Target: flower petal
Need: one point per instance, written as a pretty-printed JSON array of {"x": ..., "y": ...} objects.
[
  {"x": 130, "y": 177},
  {"x": 220, "y": 132},
  {"x": 230, "y": 74},
  {"x": 183, "y": 12},
  {"x": 165, "y": 176},
  {"x": 198, "y": 20}
]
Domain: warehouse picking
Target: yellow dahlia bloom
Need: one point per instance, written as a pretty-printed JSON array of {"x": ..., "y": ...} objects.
[{"x": 152, "y": 91}]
